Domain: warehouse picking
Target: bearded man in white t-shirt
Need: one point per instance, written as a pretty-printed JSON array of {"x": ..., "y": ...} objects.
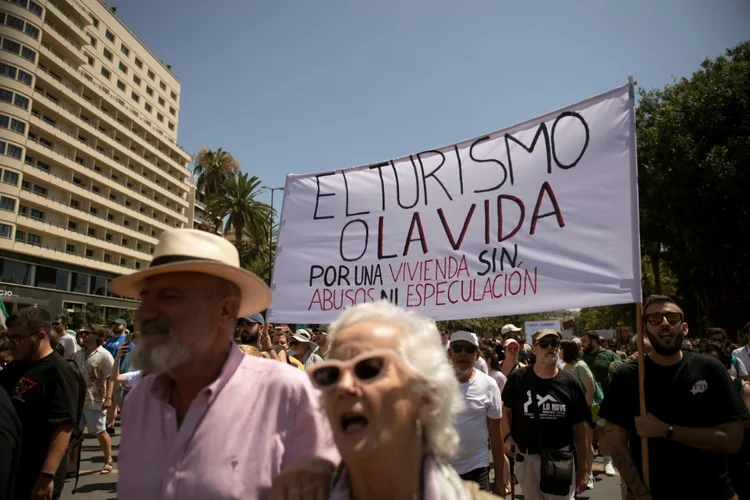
[{"x": 479, "y": 422}]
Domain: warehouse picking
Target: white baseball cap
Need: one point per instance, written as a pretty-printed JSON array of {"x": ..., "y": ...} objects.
[
  {"x": 469, "y": 337},
  {"x": 509, "y": 328}
]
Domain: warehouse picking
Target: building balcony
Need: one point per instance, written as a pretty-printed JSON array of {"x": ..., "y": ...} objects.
[
  {"x": 76, "y": 120},
  {"x": 58, "y": 40},
  {"x": 200, "y": 204},
  {"x": 79, "y": 213},
  {"x": 63, "y": 17},
  {"x": 52, "y": 252},
  {"x": 77, "y": 144},
  {"x": 58, "y": 157},
  {"x": 76, "y": 10}
]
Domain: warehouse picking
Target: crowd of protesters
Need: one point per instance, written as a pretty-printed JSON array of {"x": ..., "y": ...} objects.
[{"x": 217, "y": 403}]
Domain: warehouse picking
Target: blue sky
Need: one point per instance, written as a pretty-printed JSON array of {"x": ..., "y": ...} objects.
[{"x": 320, "y": 85}]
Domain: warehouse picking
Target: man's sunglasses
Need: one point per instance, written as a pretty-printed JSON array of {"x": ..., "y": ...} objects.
[
  {"x": 366, "y": 367},
  {"x": 467, "y": 348},
  {"x": 553, "y": 343},
  {"x": 672, "y": 318},
  {"x": 56, "y": 324}
]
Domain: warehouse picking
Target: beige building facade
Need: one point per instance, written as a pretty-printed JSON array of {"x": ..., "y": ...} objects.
[{"x": 90, "y": 169}]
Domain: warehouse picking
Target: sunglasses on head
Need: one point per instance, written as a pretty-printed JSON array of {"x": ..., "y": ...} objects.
[
  {"x": 366, "y": 367},
  {"x": 467, "y": 348},
  {"x": 545, "y": 343},
  {"x": 672, "y": 318}
]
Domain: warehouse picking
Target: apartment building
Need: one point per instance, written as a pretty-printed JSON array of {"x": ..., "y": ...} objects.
[{"x": 90, "y": 169}]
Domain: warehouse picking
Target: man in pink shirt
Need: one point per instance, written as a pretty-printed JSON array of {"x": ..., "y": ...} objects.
[{"x": 208, "y": 422}]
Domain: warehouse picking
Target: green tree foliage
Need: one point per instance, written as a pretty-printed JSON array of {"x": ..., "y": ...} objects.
[
  {"x": 694, "y": 170},
  {"x": 91, "y": 314}
]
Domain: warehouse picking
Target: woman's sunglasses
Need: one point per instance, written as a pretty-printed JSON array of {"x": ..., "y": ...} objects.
[
  {"x": 672, "y": 318},
  {"x": 366, "y": 367}
]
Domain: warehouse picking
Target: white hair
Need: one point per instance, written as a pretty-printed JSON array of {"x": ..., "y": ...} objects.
[{"x": 422, "y": 349}]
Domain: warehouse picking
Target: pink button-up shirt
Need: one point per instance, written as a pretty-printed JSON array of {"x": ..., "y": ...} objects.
[{"x": 257, "y": 418}]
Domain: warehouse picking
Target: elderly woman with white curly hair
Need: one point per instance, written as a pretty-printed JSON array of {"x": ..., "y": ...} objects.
[{"x": 391, "y": 398}]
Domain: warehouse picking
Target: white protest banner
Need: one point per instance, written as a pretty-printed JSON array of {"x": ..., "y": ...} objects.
[
  {"x": 540, "y": 216},
  {"x": 531, "y": 327}
]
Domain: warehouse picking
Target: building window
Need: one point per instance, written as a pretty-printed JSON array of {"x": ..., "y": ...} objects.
[
  {"x": 23, "y": 210},
  {"x": 107, "y": 236},
  {"x": 107, "y": 54},
  {"x": 20, "y": 236},
  {"x": 161, "y": 101},
  {"x": 137, "y": 265},
  {"x": 91, "y": 232},
  {"x": 34, "y": 239},
  {"x": 17, "y": 126},
  {"x": 148, "y": 107},
  {"x": 136, "y": 80},
  {"x": 162, "y": 86},
  {"x": 15, "y": 22},
  {"x": 105, "y": 73},
  {"x": 90, "y": 254},
  {"x": 171, "y": 126},
  {"x": 37, "y": 214},
  {"x": 6, "y": 70},
  {"x": 92, "y": 41},
  {"x": 70, "y": 248},
  {"x": 94, "y": 20},
  {"x": 90, "y": 60},
  {"x": 109, "y": 36},
  {"x": 22, "y": 3},
  {"x": 39, "y": 190},
  {"x": 110, "y": 217},
  {"x": 21, "y": 101},
  {"x": 5, "y": 232},
  {"x": 139, "y": 63},
  {"x": 74, "y": 203},
  {"x": 72, "y": 225},
  {"x": 151, "y": 75},
  {"x": 6, "y": 95},
  {"x": 24, "y": 77},
  {"x": 14, "y": 151},
  {"x": 29, "y": 54},
  {"x": 107, "y": 257},
  {"x": 93, "y": 210},
  {"x": 11, "y": 46},
  {"x": 10, "y": 177},
  {"x": 32, "y": 31},
  {"x": 172, "y": 111},
  {"x": 149, "y": 91},
  {"x": 120, "y": 85},
  {"x": 50, "y": 277},
  {"x": 123, "y": 68},
  {"x": 80, "y": 282},
  {"x": 8, "y": 204},
  {"x": 14, "y": 271},
  {"x": 98, "y": 285},
  {"x": 123, "y": 262},
  {"x": 135, "y": 97},
  {"x": 160, "y": 117},
  {"x": 124, "y": 50},
  {"x": 173, "y": 95},
  {"x": 35, "y": 9}
]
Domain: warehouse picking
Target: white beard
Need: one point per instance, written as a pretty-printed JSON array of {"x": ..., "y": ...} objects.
[{"x": 162, "y": 358}]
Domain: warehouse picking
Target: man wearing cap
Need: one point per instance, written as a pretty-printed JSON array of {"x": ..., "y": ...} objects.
[
  {"x": 301, "y": 347},
  {"x": 185, "y": 431},
  {"x": 113, "y": 344},
  {"x": 545, "y": 407},
  {"x": 479, "y": 422},
  {"x": 250, "y": 334},
  {"x": 324, "y": 347}
]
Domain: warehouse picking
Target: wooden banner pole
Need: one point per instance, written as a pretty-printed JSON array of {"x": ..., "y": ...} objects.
[{"x": 642, "y": 389}]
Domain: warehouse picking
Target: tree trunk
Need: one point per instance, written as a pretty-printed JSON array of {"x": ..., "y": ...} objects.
[
  {"x": 239, "y": 225},
  {"x": 656, "y": 268}
]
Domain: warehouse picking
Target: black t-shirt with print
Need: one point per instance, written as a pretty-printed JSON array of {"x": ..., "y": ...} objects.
[
  {"x": 696, "y": 392},
  {"x": 44, "y": 394},
  {"x": 561, "y": 404}
]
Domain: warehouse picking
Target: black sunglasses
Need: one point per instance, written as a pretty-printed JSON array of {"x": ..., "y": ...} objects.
[
  {"x": 553, "y": 343},
  {"x": 458, "y": 348},
  {"x": 672, "y": 318}
]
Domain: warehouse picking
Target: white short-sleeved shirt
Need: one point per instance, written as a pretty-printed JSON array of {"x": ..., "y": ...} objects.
[
  {"x": 481, "y": 365},
  {"x": 69, "y": 345},
  {"x": 500, "y": 378},
  {"x": 131, "y": 379},
  {"x": 741, "y": 365},
  {"x": 483, "y": 401},
  {"x": 743, "y": 356}
]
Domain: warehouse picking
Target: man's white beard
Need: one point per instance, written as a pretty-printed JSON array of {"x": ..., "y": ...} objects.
[{"x": 162, "y": 358}]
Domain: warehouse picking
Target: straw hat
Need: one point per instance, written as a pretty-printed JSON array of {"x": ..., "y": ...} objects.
[{"x": 193, "y": 251}]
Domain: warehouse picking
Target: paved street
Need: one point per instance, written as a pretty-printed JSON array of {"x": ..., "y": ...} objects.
[{"x": 95, "y": 486}]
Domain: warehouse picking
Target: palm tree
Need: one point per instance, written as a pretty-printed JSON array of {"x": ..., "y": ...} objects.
[
  {"x": 212, "y": 169},
  {"x": 243, "y": 212}
]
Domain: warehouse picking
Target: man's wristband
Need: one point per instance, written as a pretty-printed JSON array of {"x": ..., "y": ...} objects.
[
  {"x": 506, "y": 437},
  {"x": 44, "y": 473}
]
